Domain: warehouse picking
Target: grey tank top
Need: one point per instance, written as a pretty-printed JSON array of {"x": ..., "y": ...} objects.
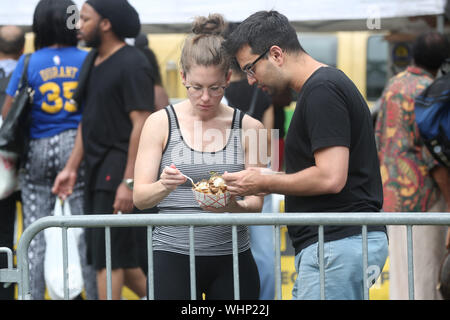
[{"x": 209, "y": 240}]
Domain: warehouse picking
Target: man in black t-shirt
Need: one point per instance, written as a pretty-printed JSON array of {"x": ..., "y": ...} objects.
[
  {"x": 330, "y": 156},
  {"x": 117, "y": 100}
]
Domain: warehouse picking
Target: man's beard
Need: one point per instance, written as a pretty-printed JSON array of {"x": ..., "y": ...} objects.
[
  {"x": 276, "y": 84},
  {"x": 276, "y": 89},
  {"x": 95, "y": 40}
]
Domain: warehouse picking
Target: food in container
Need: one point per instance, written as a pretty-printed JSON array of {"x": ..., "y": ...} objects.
[{"x": 212, "y": 192}]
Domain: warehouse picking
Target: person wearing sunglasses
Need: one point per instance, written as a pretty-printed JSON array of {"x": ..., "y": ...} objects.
[
  {"x": 193, "y": 138},
  {"x": 330, "y": 155}
]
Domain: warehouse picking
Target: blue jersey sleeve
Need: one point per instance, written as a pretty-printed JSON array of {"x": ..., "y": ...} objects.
[{"x": 15, "y": 77}]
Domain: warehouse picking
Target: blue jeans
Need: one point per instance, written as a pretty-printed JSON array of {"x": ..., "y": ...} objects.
[{"x": 343, "y": 266}]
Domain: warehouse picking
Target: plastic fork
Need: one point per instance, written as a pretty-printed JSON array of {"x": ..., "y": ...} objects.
[{"x": 189, "y": 178}]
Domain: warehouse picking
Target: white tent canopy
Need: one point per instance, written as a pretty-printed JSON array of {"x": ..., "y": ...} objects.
[{"x": 318, "y": 14}]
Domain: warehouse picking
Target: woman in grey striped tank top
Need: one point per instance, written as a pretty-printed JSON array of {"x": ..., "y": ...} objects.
[{"x": 194, "y": 137}]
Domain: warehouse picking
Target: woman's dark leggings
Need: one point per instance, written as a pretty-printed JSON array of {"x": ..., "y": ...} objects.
[{"x": 214, "y": 276}]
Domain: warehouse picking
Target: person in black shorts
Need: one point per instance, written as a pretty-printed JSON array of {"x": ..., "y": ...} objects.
[
  {"x": 330, "y": 155},
  {"x": 117, "y": 100}
]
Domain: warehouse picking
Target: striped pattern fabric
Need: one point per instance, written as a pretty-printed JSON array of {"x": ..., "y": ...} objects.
[{"x": 209, "y": 240}]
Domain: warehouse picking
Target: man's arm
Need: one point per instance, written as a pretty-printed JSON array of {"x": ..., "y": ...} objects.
[
  {"x": 327, "y": 176},
  {"x": 124, "y": 196}
]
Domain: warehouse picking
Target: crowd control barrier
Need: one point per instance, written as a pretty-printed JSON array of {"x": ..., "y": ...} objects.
[{"x": 408, "y": 219}]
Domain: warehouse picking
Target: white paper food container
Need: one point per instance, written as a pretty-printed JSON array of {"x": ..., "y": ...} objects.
[{"x": 212, "y": 200}]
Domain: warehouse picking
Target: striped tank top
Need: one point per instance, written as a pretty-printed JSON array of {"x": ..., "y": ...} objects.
[{"x": 209, "y": 240}]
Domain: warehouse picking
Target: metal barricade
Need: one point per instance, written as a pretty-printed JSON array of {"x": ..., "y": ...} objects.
[{"x": 20, "y": 275}]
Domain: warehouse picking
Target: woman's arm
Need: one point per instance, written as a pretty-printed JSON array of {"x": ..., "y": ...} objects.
[{"x": 149, "y": 189}]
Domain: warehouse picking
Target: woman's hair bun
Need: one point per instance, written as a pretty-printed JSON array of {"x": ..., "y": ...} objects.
[{"x": 214, "y": 24}]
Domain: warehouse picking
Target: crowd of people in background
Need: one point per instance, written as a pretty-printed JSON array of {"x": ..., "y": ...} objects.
[
  {"x": 406, "y": 163},
  {"x": 105, "y": 137}
]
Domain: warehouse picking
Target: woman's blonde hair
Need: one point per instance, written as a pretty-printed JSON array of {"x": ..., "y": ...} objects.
[{"x": 203, "y": 46}]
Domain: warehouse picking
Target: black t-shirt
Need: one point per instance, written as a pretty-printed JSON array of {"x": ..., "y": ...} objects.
[
  {"x": 279, "y": 119},
  {"x": 239, "y": 95},
  {"x": 330, "y": 111},
  {"x": 120, "y": 84}
]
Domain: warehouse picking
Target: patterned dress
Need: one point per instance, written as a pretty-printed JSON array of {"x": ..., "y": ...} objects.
[{"x": 404, "y": 159}]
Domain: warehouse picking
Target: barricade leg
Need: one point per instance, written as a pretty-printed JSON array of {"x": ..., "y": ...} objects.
[
  {"x": 108, "y": 263},
  {"x": 321, "y": 263},
  {"x": 65, "y": 263},
  {"x": 277, "y": 242},
  {"x": 365, "y": 263},
  {"x": 235, "y": 263},
  {"x": 150, "y": 271},
  {"x": 192, "y": 263},
  {"x": 9, "y": 275},
  {"x": 410, "y": 261}
]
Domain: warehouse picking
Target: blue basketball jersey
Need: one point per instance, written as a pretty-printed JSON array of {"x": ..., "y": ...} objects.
[{"x": 53, "y": 74}]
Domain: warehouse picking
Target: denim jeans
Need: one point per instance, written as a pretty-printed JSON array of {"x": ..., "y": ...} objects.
[{"x": 343, "y": 265}]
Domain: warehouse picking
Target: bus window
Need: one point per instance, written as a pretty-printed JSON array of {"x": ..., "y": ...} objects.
[
  {"x": 377, "y": 60},
  {"x": 322, "y": 47}
]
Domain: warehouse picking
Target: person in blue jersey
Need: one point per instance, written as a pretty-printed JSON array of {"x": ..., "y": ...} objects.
[
  {"x": 53, "y": 74},
  {"x": 194, "y": 137}
]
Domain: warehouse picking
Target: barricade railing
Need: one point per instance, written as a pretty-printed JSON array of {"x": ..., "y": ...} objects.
[{"x": 409, "y": 219}]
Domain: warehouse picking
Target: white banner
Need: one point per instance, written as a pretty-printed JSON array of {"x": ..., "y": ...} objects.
[{"x": 181, "y": 11}]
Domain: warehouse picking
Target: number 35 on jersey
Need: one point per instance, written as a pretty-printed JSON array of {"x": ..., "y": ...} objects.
[{"x": 58, "y": 94}]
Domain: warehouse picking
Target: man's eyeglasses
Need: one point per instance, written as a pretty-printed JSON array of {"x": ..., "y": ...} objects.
[
  {"x": 248, "y": 69},
  {"x": 197, "y": 91}
]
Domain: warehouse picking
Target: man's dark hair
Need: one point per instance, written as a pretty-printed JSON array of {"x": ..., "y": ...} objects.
[
  {"x": 430, "y": 50},
  {"x": 234, "y": 64},
  {"x": 12, "y": 43},
  {"x": 50, "y": 24},
  {"x": 262, "y": 30}
]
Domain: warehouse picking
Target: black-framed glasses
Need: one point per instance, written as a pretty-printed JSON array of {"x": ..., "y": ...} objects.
[{"x": 248, "y": 69}]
